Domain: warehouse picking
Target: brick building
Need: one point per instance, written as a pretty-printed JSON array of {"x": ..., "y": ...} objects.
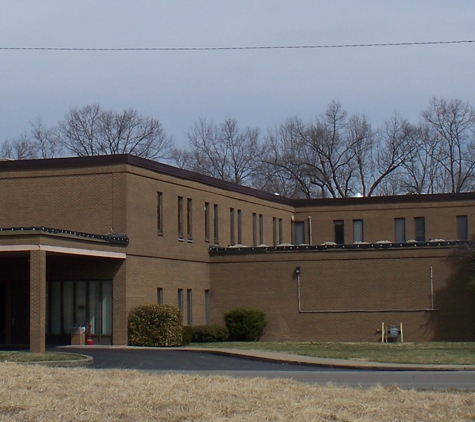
[{"x": 82, "y": 240}]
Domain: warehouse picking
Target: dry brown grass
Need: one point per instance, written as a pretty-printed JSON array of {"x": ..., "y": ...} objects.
[{"x": 36, "y": 393}]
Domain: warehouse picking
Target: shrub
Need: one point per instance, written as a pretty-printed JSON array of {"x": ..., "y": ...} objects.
[
  {"x": 187, "y": 334},
  {"x": 209, "y": 333},
  {"x": 155, "y": 325},
  {"x": 245, "y": 324}
]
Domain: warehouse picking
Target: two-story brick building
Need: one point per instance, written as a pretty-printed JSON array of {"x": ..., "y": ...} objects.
[{"x": 82, "y": 240}]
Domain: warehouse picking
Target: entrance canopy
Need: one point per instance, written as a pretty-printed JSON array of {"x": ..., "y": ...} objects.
[{"x": 31, "y": 256}]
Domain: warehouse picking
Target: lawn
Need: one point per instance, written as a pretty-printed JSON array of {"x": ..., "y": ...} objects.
[
  {"x": 27, "y": 357},
  {"x": 418, "y": 353},
  {"x": 38, "y": 393}
]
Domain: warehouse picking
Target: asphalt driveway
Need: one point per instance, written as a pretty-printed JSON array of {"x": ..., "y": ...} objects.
[{"x": 180, "y": 360}]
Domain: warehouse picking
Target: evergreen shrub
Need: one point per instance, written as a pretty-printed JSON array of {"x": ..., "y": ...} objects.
[
  {"x": 245, "y": 324},
  {"x": 187, "y": 334},
  {"x": 209, "y": 333},
  {"x": 155, "y": 326}
]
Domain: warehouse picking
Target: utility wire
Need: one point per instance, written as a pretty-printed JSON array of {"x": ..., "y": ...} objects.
[{"x": 280, "y": 47}]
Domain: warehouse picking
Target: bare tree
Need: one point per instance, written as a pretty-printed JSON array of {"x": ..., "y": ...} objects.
[
  {"x": 223, "y": 151},
  {"x": 40, "y": 142},
  {"x": 22, "y": 148},
  {"x": 421, "y": 170},
  {"x": 284, "y": 169},
  {"x": 93, "y": 131},
  {"x": 394, "y": 147},
  {"x": 452, "y": 126},
  {"x": 46, "y": 140}
]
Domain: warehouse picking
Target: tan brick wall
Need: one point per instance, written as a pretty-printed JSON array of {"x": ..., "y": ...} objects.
[
  {"x": 345, "y": 296},
  {"x": 378, "y": 219},
  {"x": 142, "y": 188},
  {"x": 146, "y": 275},
  {"x": 72, "y": 200},
  {"x": 37, "y": 301}
]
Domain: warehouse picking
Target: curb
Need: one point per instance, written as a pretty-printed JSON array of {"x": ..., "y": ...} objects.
[
  {"x": 332, "y": 363},
  {"x": 85, "y": 361}
]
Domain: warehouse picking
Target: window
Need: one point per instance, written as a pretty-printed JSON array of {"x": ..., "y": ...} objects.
[
  {"x": 159, "y": 213},
  {"x": 299, "y": 227},
  {"x": 189, "y": 219},
  {"x": 274, "y": 231},
  {"x": 231, "y": 226},
  {"x": 254, "y": 229},
  {"x": 206, "y": 221},
  {"x": 261, "y": 229},
  {"x": 188, "y": 307},
  {"x": 215, "y": 223},
  {"x": 280, "y": 231},
  {"x": 239, "y": 227},
  {"x": 180, "y": 299},
  {"x": 399, "y": 230},
  {"x": 159, "y": 295},
  {"x": 462, "y": 227},
  {"x": 180, "y": 217},
  {"x": 81, "y": 303},
  {"x": 339, "y": 227},
  {"x": 206, "y": 306},
  {"x": 358, "y": 231},
  {"x": 420, "y": 229}
]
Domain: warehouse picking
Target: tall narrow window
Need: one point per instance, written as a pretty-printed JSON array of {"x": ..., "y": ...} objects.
[
  {"x": 280, "y": 231},
  {"x": 339, "y": 227},
  {"x": 299, "y": 230},
  {"x": 188, "y": 307},
  {"x": 358, "y": 231},
  {"x": 189, "y": 219},
  {"x": 261, "y": 229},
  {"x": 239, "y": 227},
  {"x": 399, "y": 230},
  {"x": 180, "y": 299},
  {"x": 206, "y": 209},
  {"x": 215, "y": 224},
  {"x": 274, "y": 231},
  {"x": 180, "y": 217},
  {"x": 159, "y": 213},
  {"x": 462, "y": 227},
  {"x": 232, "y": 239},
  {"x": 206, "y": 306},
  {"x": 254, "y": 229},
  {"x": 420, "y": 229},
  {"x": 159, "y": 295}
]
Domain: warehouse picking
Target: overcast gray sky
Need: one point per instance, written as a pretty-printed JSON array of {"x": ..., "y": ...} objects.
[{"x": 257, "y": 87}]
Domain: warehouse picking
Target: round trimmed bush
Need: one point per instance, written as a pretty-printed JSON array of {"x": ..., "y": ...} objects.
[
  {"x": 245, "y": 324},
  {"x": 155, "y": 326}
]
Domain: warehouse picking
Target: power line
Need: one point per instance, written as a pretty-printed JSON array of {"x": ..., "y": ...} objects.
[{"x": 279, "y": 47}]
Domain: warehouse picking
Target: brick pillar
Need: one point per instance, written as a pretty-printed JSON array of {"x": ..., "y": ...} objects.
[
  {"x": 37, "y": 300},
  {"x": 119, "y": 307}
]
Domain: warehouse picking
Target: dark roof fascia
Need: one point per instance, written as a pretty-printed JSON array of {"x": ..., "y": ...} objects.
[
  {"x": 63, "y": 162},
  {"x": 373, "y": 200},
  {"x": 206, "y": 180},
  {"x": 106, "y": 160}
]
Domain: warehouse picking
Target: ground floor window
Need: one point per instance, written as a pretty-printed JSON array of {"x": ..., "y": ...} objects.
[{"x": 80, "y": 303}]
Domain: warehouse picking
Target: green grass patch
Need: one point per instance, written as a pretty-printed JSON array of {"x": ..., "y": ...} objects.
[
  {"x": 437, "y": 353},
  {"x": 27, "y": 357}
]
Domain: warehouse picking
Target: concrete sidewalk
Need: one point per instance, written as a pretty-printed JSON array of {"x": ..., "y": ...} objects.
[{"x": 334, "y": 363}]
